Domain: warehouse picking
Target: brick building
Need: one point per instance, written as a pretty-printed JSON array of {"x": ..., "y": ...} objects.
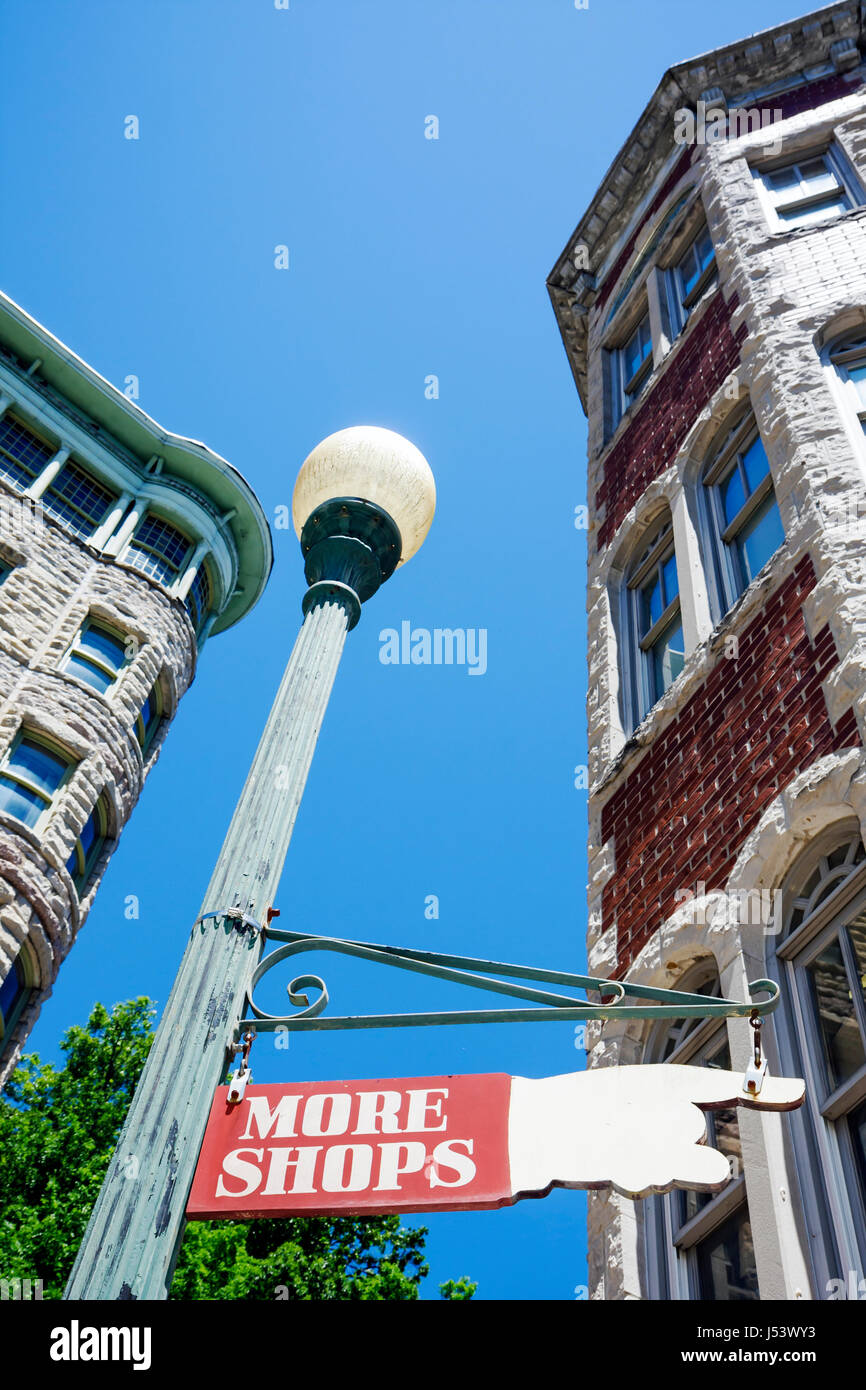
[
  {"x": 712, "y": 303},
  {"x": 122, "y": 548}
]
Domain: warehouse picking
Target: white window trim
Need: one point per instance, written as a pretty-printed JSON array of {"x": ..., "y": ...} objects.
[
  {"x": 723, "y": 576},
  {"x": 795, "y": 1032},
  {"x": 839, "y": 166}
]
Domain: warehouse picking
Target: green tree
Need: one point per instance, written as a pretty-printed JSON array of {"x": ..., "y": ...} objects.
[{"x": 58, "y": 1129}]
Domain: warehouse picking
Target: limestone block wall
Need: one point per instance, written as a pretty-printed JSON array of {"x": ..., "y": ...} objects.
[
  {"x": 56, "y": 582},
  {"x": 744, "y": 759}
]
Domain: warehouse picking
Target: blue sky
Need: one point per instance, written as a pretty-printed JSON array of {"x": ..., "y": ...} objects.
[{"x": 407, "y": 257}]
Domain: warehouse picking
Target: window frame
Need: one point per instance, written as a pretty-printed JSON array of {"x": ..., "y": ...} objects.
[
  {"x": 12, "y": 416},
  {"x": 86, "y": 862},
  {"x": 74, "y": 652},
  {"x": 624, "y": 393},
  {"x": 145, "y": 733},
  {"x": 153, "y": 514},
  {"x": 842, "y": 354},
  {"x": 89, "y": 527},
  {"x": 640, "y": 684},
  {"x": 828, "y": 151},
  {"x": 48, "y": 745},
  {"x": 673, "y": 1238},
  {"x": 205, "y": 612},
  {"x": 731, "y": 577},
  {"x": 680, "y": 302},
  {"x": 23, "y": 967},
  {"x": 833, "y": 1192}
]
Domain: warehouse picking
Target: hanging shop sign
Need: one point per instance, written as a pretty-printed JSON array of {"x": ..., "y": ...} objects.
[{"x": 462, "y": 1143}]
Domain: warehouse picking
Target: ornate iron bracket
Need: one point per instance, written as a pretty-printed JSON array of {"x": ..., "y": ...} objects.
[{"x": 549, "y": 1006}]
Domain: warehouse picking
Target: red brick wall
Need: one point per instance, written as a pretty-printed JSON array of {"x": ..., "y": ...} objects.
[
  {"x": 703, "y": 360},
  {"x": 700, "y": 789}
]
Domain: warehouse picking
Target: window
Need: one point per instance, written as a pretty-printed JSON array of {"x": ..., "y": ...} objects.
[
  {"x": 689, "y": 278},
  {"x": 849, "y": 359},
  {"x": 87, "y": 847},
  {"x": 630, "y": 368},
  {"x": 97, "y": 656},
  {"x": 821, "y": 960},
  {"x": 654, "y": 624},
  {"x": 14, "y": 993},
  {"x": 810, "y": 189},
  {"x": 77, "y": 499},
  {"x": 746, "y": 529},
  {"x": 699, "y": 1244},
  {"x": 30, "y": 774},
  {"x": 158, "y": 549},
  {"x": 147, "y": 720},
  {"x": 198, "y": 600},
  {"x": 23, "y": 455}
]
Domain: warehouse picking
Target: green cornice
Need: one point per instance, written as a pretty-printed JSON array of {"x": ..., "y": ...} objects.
[{"x": 141, "y": 437}]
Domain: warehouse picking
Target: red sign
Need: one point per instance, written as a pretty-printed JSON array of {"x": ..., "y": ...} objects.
[{"x": 418, "y": 1144}]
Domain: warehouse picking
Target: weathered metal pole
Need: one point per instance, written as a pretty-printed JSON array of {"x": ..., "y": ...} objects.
[
  {"x": 130, "y": 1246},
  {"x": 351, "y": 545}
]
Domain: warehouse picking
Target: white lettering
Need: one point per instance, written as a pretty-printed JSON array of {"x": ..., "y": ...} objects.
[
  {"x": 390, "y": 1167},
  {"x": 360, "y": 1167},
  {"x": 419, "y": 1105},
  {"x": 241, "y": 1168},
  {"x": 444, "y": 1156},
  {"x": 378, "y": 1105}
]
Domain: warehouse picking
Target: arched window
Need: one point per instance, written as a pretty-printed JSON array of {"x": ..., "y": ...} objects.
[
  {"x": 148, "y": 719},
  {"x": 699, "y": 1244},
  {"x": 653, "y": 649},
  {"x": 31, "y": 773},
  {"x": 821, "y": 961},
  {"x": 88, "y": 846},
  {"x": 849, "y": 359},
  {"x": 15, "y": 991},
  {"x": 745, "y": 528},
  {"x": 97, "y": 656}
]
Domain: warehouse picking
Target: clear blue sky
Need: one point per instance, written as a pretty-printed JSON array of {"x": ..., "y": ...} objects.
[{"x": 408, "y": 257}]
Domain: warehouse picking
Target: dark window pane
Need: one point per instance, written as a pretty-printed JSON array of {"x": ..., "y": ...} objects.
[
  {"x": 653, "y": 605},
  {"x": 17, "y": 801},
  {"x": 40, "y": 767},
  {"x": 669, "y": 575},
  {"x": 760, "y": 538},
  {"x": 755, "y": 464},
  {"x": 78, "y": 499},
  {"x": 726, "y": 1262},
  {"x": 837, "y": 1020},
  {"x": 857, "y": 1130},
  {"x": 782, "y": 178},
  {"x": 733, "y": 497},
  {"x": 85, "y": 671},
  {"x": 22, "y": 455},
  {"x": 10, "y": 992},
  {"x": 103, "y": 644}
]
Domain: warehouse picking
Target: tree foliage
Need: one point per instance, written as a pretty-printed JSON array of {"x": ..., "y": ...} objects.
[{"x": 58, "y": 1129}]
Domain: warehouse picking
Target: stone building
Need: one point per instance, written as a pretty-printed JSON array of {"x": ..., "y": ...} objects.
[
  {"x": 122, "y": 548},
  {"x": 712, "y": 303}
]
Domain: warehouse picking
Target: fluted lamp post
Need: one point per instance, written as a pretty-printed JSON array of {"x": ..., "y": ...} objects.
[{"x": 363, "y": 503}]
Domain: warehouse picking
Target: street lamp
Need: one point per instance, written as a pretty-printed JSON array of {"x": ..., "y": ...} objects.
[{"x": 363, "y": 503}]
